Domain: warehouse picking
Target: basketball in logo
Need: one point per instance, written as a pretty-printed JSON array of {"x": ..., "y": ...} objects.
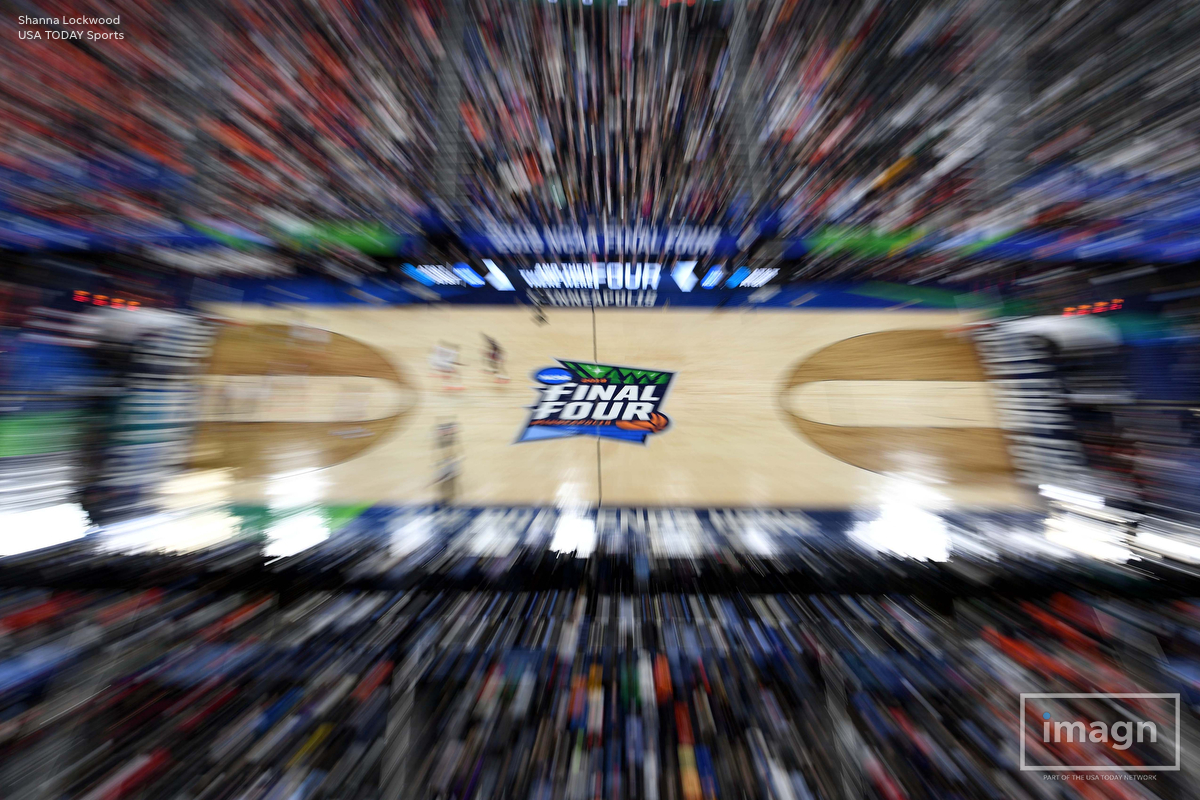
[{"x": 657, "y": 422}]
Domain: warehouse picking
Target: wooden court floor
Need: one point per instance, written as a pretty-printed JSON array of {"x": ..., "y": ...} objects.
[{"x": 803, "y": 409}]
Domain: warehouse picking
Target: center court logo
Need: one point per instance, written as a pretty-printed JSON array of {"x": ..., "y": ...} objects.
[
  {"x": 581, "y": 398},
  {"x": 1099, "y": 732}
]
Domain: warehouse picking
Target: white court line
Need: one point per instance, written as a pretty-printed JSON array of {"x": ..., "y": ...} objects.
[
  {"x": 895, "y": 404},
  {"x": 300, "y": 398}
]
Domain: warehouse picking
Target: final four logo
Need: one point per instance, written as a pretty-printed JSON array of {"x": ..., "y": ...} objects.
[{"x": 585, "y": 399}]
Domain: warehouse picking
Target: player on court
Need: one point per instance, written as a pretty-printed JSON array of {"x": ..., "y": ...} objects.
[
  {"x": 444, "y": 361},
  {"x": 493, "y": 359},
  {"x": 446, "y": 461},
  {"x": 539, "y": 316}
]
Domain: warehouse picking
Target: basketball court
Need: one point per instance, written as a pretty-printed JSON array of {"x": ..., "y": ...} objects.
[{"x": 774, "y": 408}]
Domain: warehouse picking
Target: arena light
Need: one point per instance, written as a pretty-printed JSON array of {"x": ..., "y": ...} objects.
[
  {"x": 683, "y": 275},
  {"x": 906, "y": 531},
  {"x": 294, "y": 533},
  {"x": 170, "y": 532},
  {"x": 1071, "y": 496},
  {"x": 1169, "y": 545},
  {"x": 574, "y": 533},
  {"x": 496, "y": 278},
  {"x": 907, "y": 525},
  {"x": 468, "y": 275},
  {"x": 1089, "y": 537},
  {"x": 713, "y": 276},
  {"x": 35, "y": 528}
]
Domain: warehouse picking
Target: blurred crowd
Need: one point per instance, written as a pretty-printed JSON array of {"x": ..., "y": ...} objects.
[
  {"x": 93, "y": 135},
  {"x": 317, "y": 110},
  {"x": 615, "y": 112},
  {"x": 876, "y": 114},
  {"x": 572, "y": 693},
  {"x": 759, "y": 665},
  {"x": 965, "y": 121},
  {"x": 252, "y": 114}
]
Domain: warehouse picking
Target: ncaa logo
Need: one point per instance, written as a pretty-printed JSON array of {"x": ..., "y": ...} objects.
[{"x": 553, "y": 376}]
